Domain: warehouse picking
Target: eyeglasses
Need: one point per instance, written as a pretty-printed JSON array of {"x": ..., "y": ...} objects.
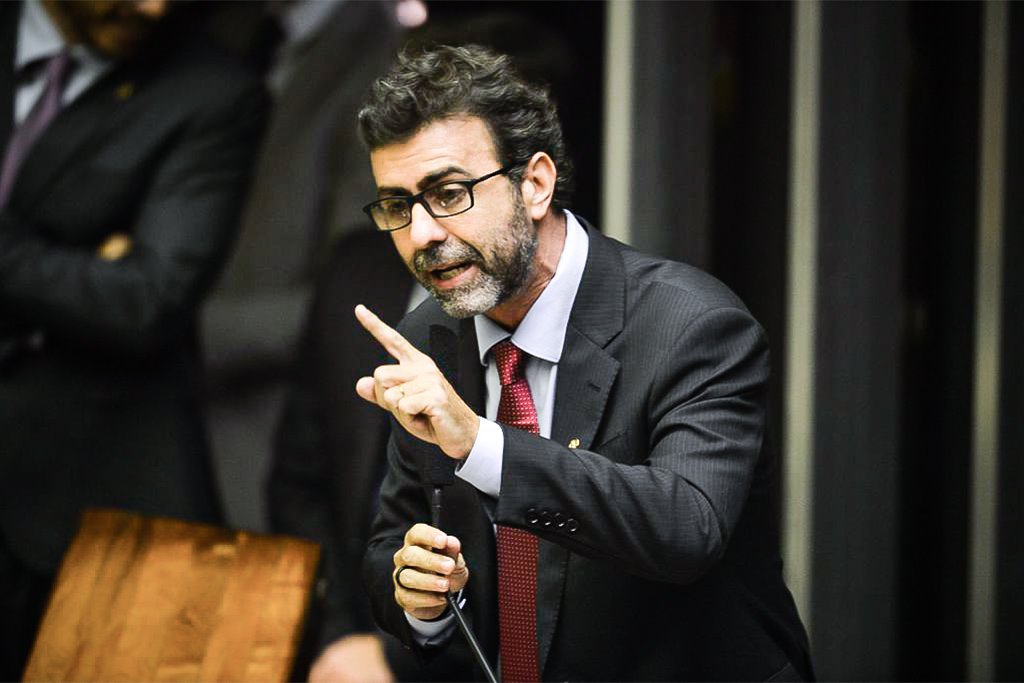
[{"x": 449, "y": 198}]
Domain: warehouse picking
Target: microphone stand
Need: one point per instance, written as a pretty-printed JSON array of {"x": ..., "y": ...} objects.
[
  {"x": 460, "y": 618},
  {"x": 438, "y": 470}
]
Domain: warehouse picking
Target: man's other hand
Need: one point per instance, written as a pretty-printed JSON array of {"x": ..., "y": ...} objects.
[
  {"x": 416, "y": 392},
  {"x": 357, "y": 658},
  {"x": 115, "y": 247},
  {"x": 428, "y": 565}
]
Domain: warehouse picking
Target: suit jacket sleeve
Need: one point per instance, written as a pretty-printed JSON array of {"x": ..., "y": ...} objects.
[
  {"x": 660, "y": 498},
  {"x": 181, "y": 233}
]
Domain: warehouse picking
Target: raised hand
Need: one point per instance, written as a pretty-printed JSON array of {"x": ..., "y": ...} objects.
[{"x": 416, "y": 392}]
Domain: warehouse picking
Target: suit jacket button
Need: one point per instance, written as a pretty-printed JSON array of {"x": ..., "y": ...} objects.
[
  {"x": 545, "y": 518},
  {"x": 571, "y": 525},
  {"x": 559, "y": 520},
  {"x": 531, "y": 516}
]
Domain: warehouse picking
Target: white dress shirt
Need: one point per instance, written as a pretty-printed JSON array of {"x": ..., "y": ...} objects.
[{"x": 38, "y": 38}]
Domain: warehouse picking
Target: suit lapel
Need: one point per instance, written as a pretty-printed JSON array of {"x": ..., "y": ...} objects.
[
  {"x": 586, "y": 373},
  {"x": 585, "y": 377},
  {"x": 586, "y": 370},
  {"x": 471, "y": 385},
  {"x": 80, "y": 127}
]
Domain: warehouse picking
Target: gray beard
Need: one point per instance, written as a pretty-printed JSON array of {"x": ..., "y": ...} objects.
[{"x": 496, "y": 282}]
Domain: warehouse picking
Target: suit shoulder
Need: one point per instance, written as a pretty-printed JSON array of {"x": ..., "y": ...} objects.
[
  {"x": 666, "y": 300},
  {"x": 648, "y": 275}
]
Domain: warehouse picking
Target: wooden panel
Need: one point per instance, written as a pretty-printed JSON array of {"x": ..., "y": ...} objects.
[{"x": 151, "y": 599}]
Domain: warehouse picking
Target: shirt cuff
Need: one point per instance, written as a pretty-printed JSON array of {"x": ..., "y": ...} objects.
[
  {"x": 436, "y": 632},
  {"x": 482, "y": 467}
]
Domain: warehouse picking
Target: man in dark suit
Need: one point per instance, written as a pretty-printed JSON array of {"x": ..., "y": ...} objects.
[
  {"x": 612, "y": 516},
  {"x": 117, "y": 220}
]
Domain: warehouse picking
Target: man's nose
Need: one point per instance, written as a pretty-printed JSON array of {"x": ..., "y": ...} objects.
[{"x": 424, "y": 228}]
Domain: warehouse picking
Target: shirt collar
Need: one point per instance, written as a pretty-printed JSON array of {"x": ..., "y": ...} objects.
[
  {"x": 301, "y": 20},
  {"x": 39, "y": 38},
  {"x": 542, "y": 332}
]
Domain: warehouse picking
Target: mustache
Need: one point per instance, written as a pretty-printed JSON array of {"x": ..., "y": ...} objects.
[{"x": 446, "y": 253}]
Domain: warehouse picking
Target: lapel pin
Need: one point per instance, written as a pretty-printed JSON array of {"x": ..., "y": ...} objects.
[
  {"x": 574, "y": 443},
  {"x": 125, "y": 90}
]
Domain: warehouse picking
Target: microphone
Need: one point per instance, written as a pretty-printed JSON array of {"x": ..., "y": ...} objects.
[
  {"x": 438, "y": 471},
  {"x": 444, "y": 348}
]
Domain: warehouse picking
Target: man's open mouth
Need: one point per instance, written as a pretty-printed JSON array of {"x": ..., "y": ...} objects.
[{"x": 450, "y": 271}]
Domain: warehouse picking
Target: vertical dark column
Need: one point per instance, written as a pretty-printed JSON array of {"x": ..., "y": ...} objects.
[
  {"x": 750, "y": 194},
  {"x": 1009, "y": 664},
  {"x": 672, "y": 104},
  {"x": 939, "y": 351},
  {"x": 860, "y": 318}
]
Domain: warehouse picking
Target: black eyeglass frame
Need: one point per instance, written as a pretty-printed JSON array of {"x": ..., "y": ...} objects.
[{"x": 412, "y": 200}]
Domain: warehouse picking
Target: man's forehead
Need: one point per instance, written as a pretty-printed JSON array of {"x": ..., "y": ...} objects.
[{"x": 460, "y": 142}]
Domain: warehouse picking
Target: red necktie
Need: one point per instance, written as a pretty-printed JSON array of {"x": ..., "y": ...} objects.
[
  {"x": 43, "y": 112},
  {"x": 517, "y": 549}
]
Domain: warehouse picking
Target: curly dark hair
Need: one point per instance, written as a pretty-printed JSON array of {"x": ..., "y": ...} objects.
[{"x": 433, "y": 83}]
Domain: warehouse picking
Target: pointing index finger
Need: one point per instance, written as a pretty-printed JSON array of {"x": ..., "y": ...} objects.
[{"x": 393, "y": 342}]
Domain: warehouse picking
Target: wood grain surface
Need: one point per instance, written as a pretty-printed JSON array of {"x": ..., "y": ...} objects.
[{"x": 152, "y": 599}]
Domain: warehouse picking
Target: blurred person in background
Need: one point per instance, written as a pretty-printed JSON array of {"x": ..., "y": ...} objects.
[
  {"x": 329, "y": 459},
  {"x": 309, "y": 179},
  {"x": 128, "y": 143}
]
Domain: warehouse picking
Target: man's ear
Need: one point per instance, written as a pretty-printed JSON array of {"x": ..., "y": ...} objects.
[{"x": 538, "y": 185}]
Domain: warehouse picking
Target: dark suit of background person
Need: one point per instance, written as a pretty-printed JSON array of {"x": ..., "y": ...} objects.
[
  {"x": 311, "y": 180},
  {"x": 330, "y": 446},
  {"x": 103, "y": 410},
  {"x": 667, "y": 572}
]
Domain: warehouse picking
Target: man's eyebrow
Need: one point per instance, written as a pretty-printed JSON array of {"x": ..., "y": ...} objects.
[
  {"x": 384, "y": 192},
  {"x": 424, "y": 182},
  {"x": 437, "y": 176}
]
